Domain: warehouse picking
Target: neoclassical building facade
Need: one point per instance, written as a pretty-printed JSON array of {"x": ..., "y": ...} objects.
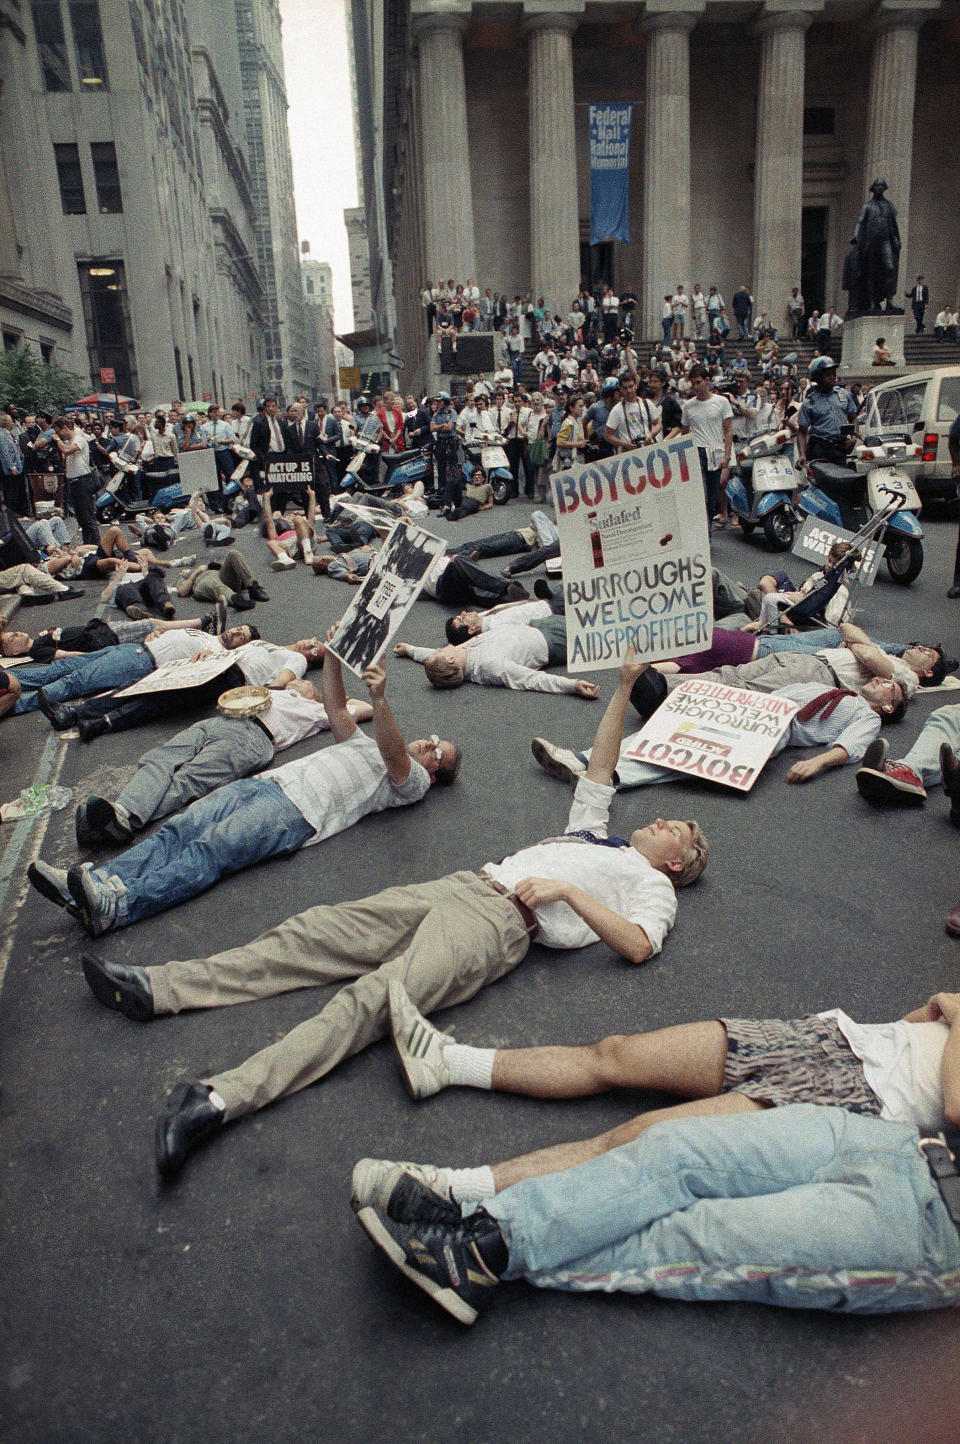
[{"x": 757, "y": 129}]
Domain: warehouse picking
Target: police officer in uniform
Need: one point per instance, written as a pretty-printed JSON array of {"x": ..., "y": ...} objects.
[{"x": 826, "y": 410}]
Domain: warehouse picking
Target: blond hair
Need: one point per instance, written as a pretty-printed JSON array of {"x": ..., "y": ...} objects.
[
  {"x": 443, "y": 671},
  {"x": 695, "y": 858}
]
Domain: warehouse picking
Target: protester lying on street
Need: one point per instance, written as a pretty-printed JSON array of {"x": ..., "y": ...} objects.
[
  {"x": 232, "y": 583},
  {"x": 721, "y": 1066},
  {"x": 541, "y": 533},
  {"x": 91, "y": 636},
  {"x": 201, "y": 758},
  {"x": 509, "y": 656},
  {"x": 443, "y": 939},
  {"x": 802, "y": 1207},
  {"x": 255, "y": 663},
  {"x": 288, "y": 538},
  {"x": 346, "y": 566},
  {"x": 843, "y": 721},
  {"x": 30, "y": 581},
  {"x": 469, "y": 623},
  {"x": 457, "y": 582}
]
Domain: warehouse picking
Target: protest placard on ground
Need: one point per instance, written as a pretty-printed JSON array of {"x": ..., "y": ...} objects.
[
  {"x": 385, "y": 597},
  {"x": 816, "y": 537},
  {"x": 721, "y": 734},
  {"x": 174, "y": 676},
  {"x": 636, "y": 556}
]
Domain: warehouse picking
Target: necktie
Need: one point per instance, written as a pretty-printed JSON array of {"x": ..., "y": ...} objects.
[{"x": 824, "y": 705}]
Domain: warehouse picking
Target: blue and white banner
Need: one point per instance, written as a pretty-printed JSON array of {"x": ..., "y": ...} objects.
[{"x": 610, "y": 173}]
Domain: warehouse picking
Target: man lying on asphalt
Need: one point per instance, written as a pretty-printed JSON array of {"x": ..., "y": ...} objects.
[
  {"x": 248, "y": 821},
  {"x": 255, "y": 663},
  {"x": 444, "y": 940},
  {"x": 506, "y": 655},
  {"x": 210, "y": 754},
  {"x": 803, "y": 1207},
  {"x": 896, "y": 1071}
]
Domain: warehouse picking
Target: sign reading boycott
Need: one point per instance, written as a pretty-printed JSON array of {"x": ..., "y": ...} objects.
[
  {"x": 636, "y": 558},
  {"x": 722, "y": 734},
  {"x": 815, "y": 538}
]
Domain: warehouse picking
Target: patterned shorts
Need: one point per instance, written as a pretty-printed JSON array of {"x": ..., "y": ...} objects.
[{"x": 795, "y": 1060}]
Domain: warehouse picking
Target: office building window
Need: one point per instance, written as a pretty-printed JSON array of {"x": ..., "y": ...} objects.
[
  {"x": 10, "y": 340},
  {"x": 46, "y": 352},
  {"x": 88, "y": 40},
  {"x": 107, "y": 177},
  {"x": 70, "y": 180},
  {"x": 51, "y": 46},
  {"x": 106, "y": 314}
]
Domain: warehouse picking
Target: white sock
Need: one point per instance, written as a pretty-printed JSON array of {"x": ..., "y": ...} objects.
[
  {"x": 469, "y": 1067},
  {"x": 307, "y": 551},
  {"x": 467, "y": 1183}
]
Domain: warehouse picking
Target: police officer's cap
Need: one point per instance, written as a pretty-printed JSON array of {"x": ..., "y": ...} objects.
[{"x": 820, "y": 364}]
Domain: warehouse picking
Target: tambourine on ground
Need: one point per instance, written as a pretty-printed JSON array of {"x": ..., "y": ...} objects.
[{"x": 244, "y": 701}]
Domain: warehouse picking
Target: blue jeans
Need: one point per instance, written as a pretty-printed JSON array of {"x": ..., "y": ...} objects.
[
  {"x": 666, "y": 323},
  {"x": 238, "y": 825},
  {"x": 71, "y": 677},
  {"x": 943, "y": 725},
  {"x": 801, "y": 1206},
  {"x": 815, "y": 641}
]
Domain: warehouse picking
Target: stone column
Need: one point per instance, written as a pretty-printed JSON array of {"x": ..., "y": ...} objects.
[
  {"x": 445, "y": 162},
  {"x": 888, "y": 150},
  {"x": 666, "y": 157},
  {"x": 554, "y": 209},
  {"x": 778, "y": 167}
]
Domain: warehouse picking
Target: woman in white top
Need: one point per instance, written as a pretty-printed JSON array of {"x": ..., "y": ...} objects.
[
  {"x": 532, "y": 428},
  {"x": 571, "y": 439}
]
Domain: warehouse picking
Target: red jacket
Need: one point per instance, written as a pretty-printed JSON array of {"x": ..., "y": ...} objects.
[{"x": 397, "y": 442}]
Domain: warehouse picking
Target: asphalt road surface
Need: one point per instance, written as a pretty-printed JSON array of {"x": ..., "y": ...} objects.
[{"x": 244, "y": 1303}]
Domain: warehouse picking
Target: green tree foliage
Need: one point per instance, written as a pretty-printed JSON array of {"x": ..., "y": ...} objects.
[{"x": 31, "y": 383}]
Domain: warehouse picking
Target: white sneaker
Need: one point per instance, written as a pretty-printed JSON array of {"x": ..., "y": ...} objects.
[
  {"x": 419, "y": 1045},
  {"x": 374, "y": 1180},
  {"x": 283, "y": 564},
  {"x": 558, "y": 761}
]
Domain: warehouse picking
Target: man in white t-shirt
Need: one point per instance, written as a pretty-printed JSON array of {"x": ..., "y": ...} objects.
[
  {"x": 631, "y": 421},
  {"x": 508, "y": 656},
  {"x": 248, "y": 821},
  {"x": 83, "y": 483},
  {"x": 444, "y": 940},
  {"x": 895, "y": 1071},
  {"x": 210, "y": 754},
  {"x": 708, "y": 418}
]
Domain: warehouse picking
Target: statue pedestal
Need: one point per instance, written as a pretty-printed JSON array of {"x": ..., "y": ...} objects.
[{"x": 860, "y": 337}]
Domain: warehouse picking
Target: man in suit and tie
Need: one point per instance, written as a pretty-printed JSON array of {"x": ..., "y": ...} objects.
[
  {"x": 919, "y": 298},
  {"x": 301, "y": 436},
  {"x": 266, "y": 440},
  {"x": 329, "y": 437}
]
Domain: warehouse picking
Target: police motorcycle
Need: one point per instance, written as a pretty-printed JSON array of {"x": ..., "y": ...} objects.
[
  {"x": 114, "y": 502},
  {"x": 168, "y": 497},
  {"x": 492, "y": 460},
  {"x": 372, "y": 471},
  {"x": 764, "y": 489},
  {"x": 873, "y": 495}
]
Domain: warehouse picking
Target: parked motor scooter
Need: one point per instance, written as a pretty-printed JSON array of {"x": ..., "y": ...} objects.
[
  {"x": 379, "y": 474},
  {"x": 765, "y": 488},
  {"x": 874, "y": 483},
  {"x": 114, "y": 503},
  {"x": 492, "y": 460}
]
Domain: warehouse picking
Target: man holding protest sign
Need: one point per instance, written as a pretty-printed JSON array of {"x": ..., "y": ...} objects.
[{"x": 444, "y": 940}]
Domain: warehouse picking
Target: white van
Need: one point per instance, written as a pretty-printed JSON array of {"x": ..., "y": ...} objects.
[{"x": 919, "y": 408}]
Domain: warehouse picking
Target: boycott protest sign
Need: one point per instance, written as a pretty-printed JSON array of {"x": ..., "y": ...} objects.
[
  {"x": 174, "y": 676},
  {"x": 386, "y": 595},
  {"x": 636, "y": 557},
  {"x": 722, "y": 734},
  {"x": 816, "y": 537}
]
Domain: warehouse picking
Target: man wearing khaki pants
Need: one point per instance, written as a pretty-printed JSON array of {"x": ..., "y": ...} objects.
[{"x": 444, "y": 940}]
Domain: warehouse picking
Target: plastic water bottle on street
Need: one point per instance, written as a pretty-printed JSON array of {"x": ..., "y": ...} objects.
[{"x": 34, "y": 801}]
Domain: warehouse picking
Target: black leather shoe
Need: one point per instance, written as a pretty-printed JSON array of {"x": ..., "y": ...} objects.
[
  {"x": 953, "y": 593},
  {"x": 257, "y": 593},
  {"x": 101, "y": 819},
  {"x": 189, "y": 1120},
  {"x": 126, "y": 990},
  {"x": 240, "y": 603},
  {"x": 91, "y": 727},
  {"x": 59, "y": 716},
  {"x": 516, "y": 592}
]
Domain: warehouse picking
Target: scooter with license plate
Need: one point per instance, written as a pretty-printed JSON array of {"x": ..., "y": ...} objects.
[
  {"x": 764, "y": 489},
  {"x": 875, "y": 486}
]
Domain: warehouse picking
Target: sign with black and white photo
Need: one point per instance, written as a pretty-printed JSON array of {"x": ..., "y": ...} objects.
[
  {"x": 718, "y": 733},
  {"x": 816, "y": 537},
  {"x": 636, "y": 556},
  {"x": 386, "y": 595}
]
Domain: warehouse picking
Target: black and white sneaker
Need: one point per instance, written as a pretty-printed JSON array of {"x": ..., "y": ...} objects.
[{"x": 458, "y": 1264}]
